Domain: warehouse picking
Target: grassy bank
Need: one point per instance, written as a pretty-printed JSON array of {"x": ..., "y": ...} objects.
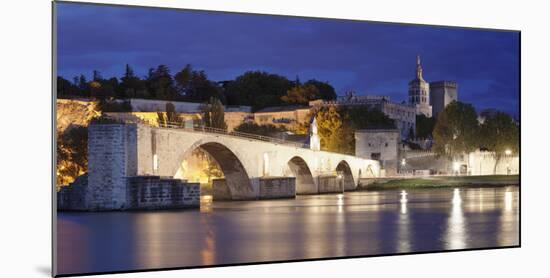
[{"x": 447, "y": 181}]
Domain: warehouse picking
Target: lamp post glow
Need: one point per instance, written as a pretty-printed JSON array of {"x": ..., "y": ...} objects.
[
  {"x": 507, "y": 152},
  {"x": 340, "y": 180},
  {"x": 456, "y": 167}
]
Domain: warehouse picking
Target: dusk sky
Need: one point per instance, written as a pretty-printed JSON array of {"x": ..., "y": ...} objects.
[{"x": 367, "y": 57}]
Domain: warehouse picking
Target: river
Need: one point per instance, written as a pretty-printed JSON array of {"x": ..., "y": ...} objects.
[{"x": 312, "y": 226}]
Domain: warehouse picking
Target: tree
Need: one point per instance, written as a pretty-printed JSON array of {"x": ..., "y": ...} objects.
[
  {"x": 169, "y": 117},
  {"x": 424, "y": 126},
  {"x": 257, "y": 89},
  {"x": 160, "y": 83},
  {"x": 131, "y": 85},
  {"x": 83, "y": 86},
  {"x": 332, "y": 130},
  {"x": 337, "y": 126},
  {"x": 499, "y": 134},
  {"x": 302, "y": 128},
  {"x": 301, "y": 94},
  {"x": 363, "y": 117},
  {"x": 103, "y": 88},
  {"x": 183, "y": 80},
  {"x": 95, "y": 89},
  {"x": 213, "y": 114},
  {"x": 456, "y": 131},
  {"x": 325, "y": 90},
  {"x": 72, "y": 154},
  {"x": 410, "y": 136},
  {"x": 66, "y": 88},
  {"x": 195, "y": 86},
  {"x": 96, "y": 76}
]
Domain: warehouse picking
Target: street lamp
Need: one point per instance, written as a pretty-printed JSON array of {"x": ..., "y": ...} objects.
[{"x": 508, "y": 152}]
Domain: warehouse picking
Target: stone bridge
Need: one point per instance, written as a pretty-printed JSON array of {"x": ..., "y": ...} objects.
[{"x": 118, "y": 151}]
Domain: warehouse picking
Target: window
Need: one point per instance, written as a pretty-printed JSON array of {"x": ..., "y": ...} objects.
[{"x": 386, "y": 144}]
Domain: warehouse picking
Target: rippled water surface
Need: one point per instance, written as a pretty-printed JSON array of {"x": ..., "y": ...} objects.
[{"x": 315, "y": 226}]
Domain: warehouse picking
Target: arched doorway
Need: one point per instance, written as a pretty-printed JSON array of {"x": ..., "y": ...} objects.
[
  {"x": 304, "y": 179},
  {"x": 344, "y": 171}
]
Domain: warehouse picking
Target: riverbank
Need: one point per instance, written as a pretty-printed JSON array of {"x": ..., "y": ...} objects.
[{"x": 441, "y": 182}]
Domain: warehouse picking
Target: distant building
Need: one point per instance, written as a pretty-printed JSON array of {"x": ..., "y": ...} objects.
[
  {"x": 419, "y": 92},
  {"x": 283, "y": 116},
  {"x": 379, "y": 144},
  {"x": 441, "y": 94},
  {"x": 404, "y": 115},
  {"x": 153, "y": 105}
]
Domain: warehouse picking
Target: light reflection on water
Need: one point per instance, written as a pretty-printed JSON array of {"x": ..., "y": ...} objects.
[
  {"x": 455, "y": 231},
  {"x": 403, "y": 245},
  {"x": 315, "y": 226}
]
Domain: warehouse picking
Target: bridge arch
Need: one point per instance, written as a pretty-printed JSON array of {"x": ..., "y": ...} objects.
[
  {"x": 237, "y": 183},
  {"x": 344, "y": 170},
  {"x": 304, "y": 179}
]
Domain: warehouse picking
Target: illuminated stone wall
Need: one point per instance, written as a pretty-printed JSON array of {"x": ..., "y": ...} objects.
[
  {"x": 288, "y": 119},
  {"x": 330, "y": 184},
  {"x": 111, "y": 152},
  {"x": 277, "y": 187},
  {"x": 75, "y": 112},
  {"x": 483, "y": 163},
  {"x": 475, "y": 163},
  {"x": 220, "y": 190},
  {"x": 152, "y": 192},
  {"x": 379, "y": 144},
  {"x": 112, "y": 182}
]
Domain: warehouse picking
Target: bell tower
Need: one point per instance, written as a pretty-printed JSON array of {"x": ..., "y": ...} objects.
[{"x": 419, "y": 92}]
